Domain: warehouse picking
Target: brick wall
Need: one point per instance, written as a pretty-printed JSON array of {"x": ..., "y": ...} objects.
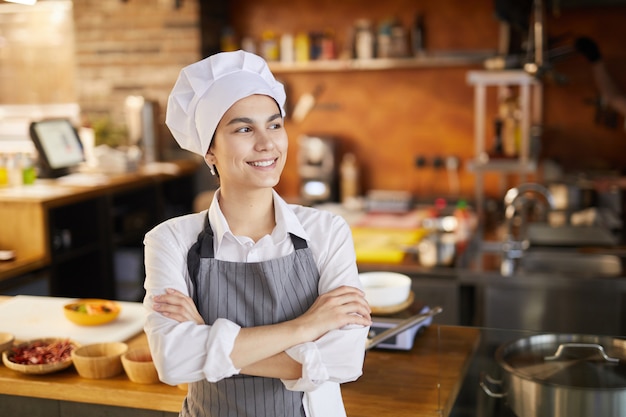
[
  {"x": 137, "y": 47},
  {"x": 132, "y": 47}
]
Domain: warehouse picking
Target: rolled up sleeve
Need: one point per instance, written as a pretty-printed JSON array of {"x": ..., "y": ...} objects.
[
  {"x": 182, "y": 352},
  {"x": 336, "y": 357}
]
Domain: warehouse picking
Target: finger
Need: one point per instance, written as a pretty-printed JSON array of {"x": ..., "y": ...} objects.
[
  {"x": 359, "y": 309},
  {"x": 178, "y": 306},
  {"x": 174, "y": 312},
  {"x": 354, "y": 297},
  {"x": 345, "y": 289}
]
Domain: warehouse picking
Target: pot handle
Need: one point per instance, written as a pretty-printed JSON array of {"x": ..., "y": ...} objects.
[
  {"x": 485, "y": 381},
  {"x": 564, "y": 346}
]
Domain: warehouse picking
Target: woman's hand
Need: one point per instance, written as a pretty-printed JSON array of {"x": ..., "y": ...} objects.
[
  {"x": 177, "y": 306},
  {"x": 335, "y": 309}
]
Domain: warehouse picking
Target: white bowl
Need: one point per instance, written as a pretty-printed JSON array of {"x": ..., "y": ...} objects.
[{"x": 384, "y": 289}]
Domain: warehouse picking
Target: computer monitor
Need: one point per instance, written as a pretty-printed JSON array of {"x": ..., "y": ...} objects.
[{"x": 59, "y": 146}]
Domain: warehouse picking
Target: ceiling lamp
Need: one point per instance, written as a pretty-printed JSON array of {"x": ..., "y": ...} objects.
[{"x": 28, "y": 2}]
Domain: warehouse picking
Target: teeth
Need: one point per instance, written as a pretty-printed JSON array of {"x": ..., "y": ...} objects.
[{"x": 262, "y": 163}]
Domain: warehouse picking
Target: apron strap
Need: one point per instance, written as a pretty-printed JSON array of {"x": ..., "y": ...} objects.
[
  {"x": 203, "y": 248},
  {"x": 298, "y": 242}
]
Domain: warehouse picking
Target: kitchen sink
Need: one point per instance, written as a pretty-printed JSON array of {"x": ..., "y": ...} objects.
[
  {"x": 571, "y": 262},
  {"x": 542, "y": 234}
]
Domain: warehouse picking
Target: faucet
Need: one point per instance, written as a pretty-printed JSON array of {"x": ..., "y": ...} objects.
[{"x": 516, "y": 210}]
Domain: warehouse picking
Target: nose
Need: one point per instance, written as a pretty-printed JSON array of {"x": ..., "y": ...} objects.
[{"x": 264, "y": 140}]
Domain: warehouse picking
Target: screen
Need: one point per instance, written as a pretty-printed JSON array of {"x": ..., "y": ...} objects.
[{"x": 59, "y": 143}]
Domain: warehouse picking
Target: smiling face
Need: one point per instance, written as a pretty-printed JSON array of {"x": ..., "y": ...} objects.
[{"x": 250, "y": 144}]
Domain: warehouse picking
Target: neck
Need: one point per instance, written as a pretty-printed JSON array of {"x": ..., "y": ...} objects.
[{"x": 249, "y": 214}]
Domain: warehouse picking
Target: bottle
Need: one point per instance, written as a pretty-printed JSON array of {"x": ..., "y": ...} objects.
[
  {"x": 269, "y": 46},
  {"x": 349, "y": 179},
  {"x": 398, "y": 41},
  {"x": 465, "y": 225},
  {"x": 228, "y": 42},
  {"x": 509, "y": 113},
  {"x": 248, "y": 44},
  {"x": 364, "y": 40},
  {"x": 14, "y": 171},
  {"x": 497, "y": 146},
  {"x": 287, "y": 48},
  {"x": 302, "y": 46},
  {"x": 328, "y": 45},
  {"x": 418, "y": 36},
  {"x": 4, "y": 174},
  {"x": 383, "y": 41},
  {"x": 29, "y": 174}
]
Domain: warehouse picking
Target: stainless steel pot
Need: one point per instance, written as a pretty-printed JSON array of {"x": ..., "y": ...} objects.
[{"x": 562, "y": 375}]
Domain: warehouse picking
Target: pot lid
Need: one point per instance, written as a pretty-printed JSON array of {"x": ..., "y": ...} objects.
[{"x": 580, "y": 361}]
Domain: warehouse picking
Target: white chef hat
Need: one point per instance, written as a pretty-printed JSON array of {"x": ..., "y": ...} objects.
[{"x": 206, "y": 89}]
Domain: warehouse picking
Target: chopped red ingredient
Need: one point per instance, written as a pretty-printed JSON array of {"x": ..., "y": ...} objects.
[{"x": 40, "y": 352}]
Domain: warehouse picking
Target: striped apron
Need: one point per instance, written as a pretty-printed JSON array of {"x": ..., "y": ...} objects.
[{"x": 249, "y": 294}]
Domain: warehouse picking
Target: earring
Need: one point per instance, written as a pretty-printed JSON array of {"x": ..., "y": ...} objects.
[{"x": 212, "y": 169}]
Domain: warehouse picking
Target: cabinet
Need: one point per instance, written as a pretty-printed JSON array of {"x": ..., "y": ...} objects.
[
  {"x": 529, "y": 95},
  {"x": 562, "y": 306},
  {"x": 437, "y": 291},
  {"x": 79, "y": 250},
  {"x": 92, "y": 236}
]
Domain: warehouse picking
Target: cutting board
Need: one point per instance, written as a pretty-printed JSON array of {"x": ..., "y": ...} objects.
[
  {"x": 384, "y": 245},
  {"x": 31, "y": 317}
]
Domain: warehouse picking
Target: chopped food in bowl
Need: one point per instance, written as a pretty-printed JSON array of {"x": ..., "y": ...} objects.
[
  {"x": 92, "y": 312},
  {"x": 40, "y": 356}
]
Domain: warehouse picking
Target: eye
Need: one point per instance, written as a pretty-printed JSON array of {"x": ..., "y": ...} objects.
[
  {"x": 244, "y": 129},
  {"x": 275, "y": 126}
]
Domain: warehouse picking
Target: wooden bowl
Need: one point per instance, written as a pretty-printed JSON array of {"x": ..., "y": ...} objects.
[
  {"x": 91, "y": 311},
  {"x": 6, "y": 341},
  {"x": 99, "y": 360},
  {"x": 139, "y": 366},
  {"x": 61, "y": 361}
]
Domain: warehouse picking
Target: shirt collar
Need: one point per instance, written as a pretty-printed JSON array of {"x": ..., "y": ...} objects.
[{"x": 286, "y": 220}]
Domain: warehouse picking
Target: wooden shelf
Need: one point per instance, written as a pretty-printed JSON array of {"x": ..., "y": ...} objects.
[
  {"x": 503, "y": 165},
  {"x": 530, "y": 97},
  {"x": 428, "y": 60},
  {"x": 501, "y": 77}
]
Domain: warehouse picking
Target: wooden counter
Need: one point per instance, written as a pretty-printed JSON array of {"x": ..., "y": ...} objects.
[
  {"x": 422, "y": 382},
  {"x": 43, "y": 223}
]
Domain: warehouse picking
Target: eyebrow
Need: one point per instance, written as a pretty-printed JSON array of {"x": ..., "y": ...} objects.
[{"x": 249, "y": 120}]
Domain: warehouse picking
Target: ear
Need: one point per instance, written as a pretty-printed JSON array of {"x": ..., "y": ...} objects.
[{"x": 209, "y": 158}]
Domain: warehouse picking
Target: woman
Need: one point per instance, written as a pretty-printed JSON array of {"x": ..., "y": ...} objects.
[{"x": 255, "y": 303}]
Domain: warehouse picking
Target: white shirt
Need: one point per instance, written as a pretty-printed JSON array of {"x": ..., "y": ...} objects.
[{"x": 187, "y": 352}]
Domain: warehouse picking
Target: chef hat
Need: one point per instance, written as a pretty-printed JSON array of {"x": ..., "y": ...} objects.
[{"x": 206, "y": 89}]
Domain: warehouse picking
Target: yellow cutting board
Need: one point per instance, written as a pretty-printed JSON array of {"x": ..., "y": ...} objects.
[{"x": 381, "y": 245}]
